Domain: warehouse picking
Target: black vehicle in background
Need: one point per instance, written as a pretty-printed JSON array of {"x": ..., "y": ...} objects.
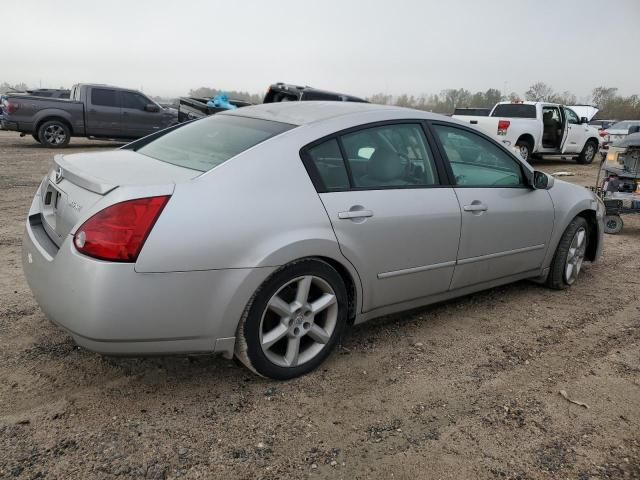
[{"x": 191, "y": 108}]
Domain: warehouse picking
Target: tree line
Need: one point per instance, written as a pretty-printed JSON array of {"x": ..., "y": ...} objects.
[{"x": 611, "y": 104}]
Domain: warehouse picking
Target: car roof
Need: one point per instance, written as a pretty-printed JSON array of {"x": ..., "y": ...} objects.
[{"x": 307, "y": 112}]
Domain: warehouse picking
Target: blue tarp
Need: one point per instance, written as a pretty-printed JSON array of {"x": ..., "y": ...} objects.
[{"x": 221, "y": 101}]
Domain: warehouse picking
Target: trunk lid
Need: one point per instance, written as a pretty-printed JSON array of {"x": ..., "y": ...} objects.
[{"x": 76, "y": 182}]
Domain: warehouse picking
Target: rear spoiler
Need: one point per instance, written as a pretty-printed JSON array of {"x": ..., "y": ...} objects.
[{"x": 64, "y": 169}]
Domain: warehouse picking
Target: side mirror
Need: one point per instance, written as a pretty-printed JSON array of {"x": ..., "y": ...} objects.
[
  {"x": 542, "y": 181},
  {"x": 584, "y": 120},
  {"x": 151, "y": 108}
]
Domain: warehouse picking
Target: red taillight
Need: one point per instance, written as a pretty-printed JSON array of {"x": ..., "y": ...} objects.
[
  {"x": 603, "y": 133},
  {"x": 118, "y": 232},
  {"x": 11, "y": 107},
  {"x": 503, "y": 126}
]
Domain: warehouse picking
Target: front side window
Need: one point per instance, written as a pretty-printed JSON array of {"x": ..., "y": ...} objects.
[
  {"x": 104, "y": 97},
  {"x": 571, "y": 116},
  {"x": 477, "y": 162},
  {"x": 134, "y": 100},
  {"x": 389, "y": 156},
  {"x": 207, "y": 143}
]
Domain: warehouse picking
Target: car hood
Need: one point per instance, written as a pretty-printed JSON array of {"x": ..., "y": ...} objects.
[{"x": 584, "y": 111}]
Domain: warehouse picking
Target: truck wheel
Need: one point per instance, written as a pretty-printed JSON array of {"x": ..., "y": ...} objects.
[
  {"x": 613, "y": 224},
  {"x": 588, "y": 153},
  {"x": 54, "y": 134},
  {"x": 35, "y": 137},
  {"x": 525, "y": 150}
]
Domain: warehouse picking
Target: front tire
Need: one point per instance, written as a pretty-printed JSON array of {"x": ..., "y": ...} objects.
[
  {"x": 588, "y": 153},
  {"x": 293, "y": 321},
  {"x": 54, "y": 134},
  {"x": 567, "y": 261}
]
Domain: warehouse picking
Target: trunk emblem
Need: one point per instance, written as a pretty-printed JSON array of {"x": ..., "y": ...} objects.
[{"x": 59, "y": 175}]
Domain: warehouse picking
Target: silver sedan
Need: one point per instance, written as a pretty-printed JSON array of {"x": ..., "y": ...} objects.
[{"x": 265, "y": 231}]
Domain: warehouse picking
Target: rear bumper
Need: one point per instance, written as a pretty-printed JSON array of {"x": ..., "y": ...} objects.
[
  {"x": 7, "y": 125},
  {"x": 112, "y": 309}
]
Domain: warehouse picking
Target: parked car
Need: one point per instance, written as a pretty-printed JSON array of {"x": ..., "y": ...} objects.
[
  {"x": 538, "y": 128},
  {"x": 94, "y": 111},
  {"x": 191, "y": 108},
  {"x": 618, "y": 131},
  {"x": 602, "y": 124},
  {"x": 264, "y": 231}
]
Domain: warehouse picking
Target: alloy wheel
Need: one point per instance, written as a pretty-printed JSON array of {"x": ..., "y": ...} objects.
[
  {"x": 298, "y": 321},
  {"x": 55, "y": 135},
  {"x": 575, "y": 256},
  {"x": 589, "y": 153}
]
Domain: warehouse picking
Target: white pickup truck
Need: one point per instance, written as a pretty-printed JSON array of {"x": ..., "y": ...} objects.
[{"x": 538, "y": 128}]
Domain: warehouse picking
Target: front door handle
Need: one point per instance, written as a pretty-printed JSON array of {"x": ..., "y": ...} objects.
[
  {"x": 351, "y": 214},
  {"x": 475, "y": 206}
]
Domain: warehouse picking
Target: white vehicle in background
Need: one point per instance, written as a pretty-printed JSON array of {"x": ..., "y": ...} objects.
[
  {"x": 618, "y": 131},
  {"x": 539, "y": 128}
]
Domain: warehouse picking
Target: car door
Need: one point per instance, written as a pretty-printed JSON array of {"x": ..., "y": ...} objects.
[
  {"x": 137, "y": 121},
  {"x": 576, "y": 133},
  {"x": 506, "y": 224},
  {"x": 102, "y": 112},
  {"x": 394, "y": 217}
]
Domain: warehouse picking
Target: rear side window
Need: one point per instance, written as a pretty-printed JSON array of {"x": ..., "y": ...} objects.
[
  {"x": 327, "y": 160},
  {"x": 514, "y": 110},
  {"x": 394, "y": 155},
  {"x": 207, "y": 143},
  {"x": 104, "y": 97}
]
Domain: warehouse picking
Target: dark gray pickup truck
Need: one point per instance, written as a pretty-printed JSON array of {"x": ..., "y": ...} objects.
[{"x": 94, "y": 111}]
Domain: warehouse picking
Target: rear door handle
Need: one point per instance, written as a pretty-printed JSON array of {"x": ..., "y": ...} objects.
[
  {"x": 475, "y": 207},
  {"x": 355, "y": 214}
]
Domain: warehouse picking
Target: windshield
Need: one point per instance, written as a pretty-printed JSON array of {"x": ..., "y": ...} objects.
[
  {"x": 623, "y": 125},
  {"x": 207, "y": 143}
]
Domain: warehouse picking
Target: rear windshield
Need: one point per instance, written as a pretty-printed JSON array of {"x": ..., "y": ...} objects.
[
  {"x": 514, "y": 110},
  {"x": 207, "y": 143}
]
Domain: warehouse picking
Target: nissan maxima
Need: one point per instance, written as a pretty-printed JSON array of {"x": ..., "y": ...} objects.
[{"x": 267, "y": 230}]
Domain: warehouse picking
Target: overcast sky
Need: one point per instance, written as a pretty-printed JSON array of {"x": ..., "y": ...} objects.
[{"x": 358, "y": 46}]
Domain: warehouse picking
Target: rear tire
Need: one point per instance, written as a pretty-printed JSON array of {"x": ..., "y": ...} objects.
[
  {"x": 54, "y": 134},
  {"x": 525, "y": 150},
  {"x": 613, "y": 224},
  {"x": 35, "y": 137},
  {"x": 293, "y": 321},
  {"x": 588, "y": 153},
  {"x": 567, "y": 261}
]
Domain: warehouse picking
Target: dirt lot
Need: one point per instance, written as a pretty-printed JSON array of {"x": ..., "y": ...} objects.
[{"x": 467, "y": 389}]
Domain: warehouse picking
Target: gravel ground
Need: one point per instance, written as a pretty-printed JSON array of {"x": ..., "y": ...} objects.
[{"x": 466, "y": 389}]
